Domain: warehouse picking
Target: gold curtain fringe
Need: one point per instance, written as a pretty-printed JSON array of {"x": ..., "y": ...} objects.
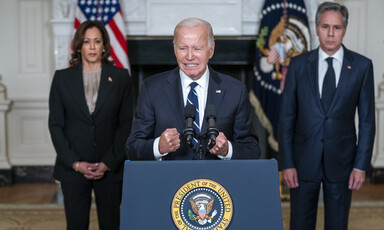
[{"x": 263, "y": 120}]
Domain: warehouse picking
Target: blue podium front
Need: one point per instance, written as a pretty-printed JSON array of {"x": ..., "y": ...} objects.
[{"x": 201, "y": 195}]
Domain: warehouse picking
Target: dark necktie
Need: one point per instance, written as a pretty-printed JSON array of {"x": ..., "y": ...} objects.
[
  {"x": 329, "y": 86},
  {"x": 193, "y": 99}
]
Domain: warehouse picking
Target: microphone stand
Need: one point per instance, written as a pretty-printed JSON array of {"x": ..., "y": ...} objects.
[
  {"x": 199, "y": 150},
  {"x": 200, "y": 140}
]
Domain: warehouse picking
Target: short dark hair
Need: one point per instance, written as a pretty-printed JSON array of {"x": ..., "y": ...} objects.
[
  {"x": 78, "y": 41},
  {"x": 328, "y": 6}
]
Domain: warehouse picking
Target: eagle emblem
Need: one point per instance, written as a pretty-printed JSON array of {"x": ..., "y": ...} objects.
[{"x": 202, "y": 205}]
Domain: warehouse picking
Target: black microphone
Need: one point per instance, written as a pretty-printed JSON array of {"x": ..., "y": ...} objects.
[
  {"x": 189, "y": 131},
  {"x": 212, "y": 132}
]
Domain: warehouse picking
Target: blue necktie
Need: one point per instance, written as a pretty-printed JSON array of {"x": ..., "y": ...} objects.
[
  {"x": 193, "y": 99},
  {"x": 329, "y": 86}
]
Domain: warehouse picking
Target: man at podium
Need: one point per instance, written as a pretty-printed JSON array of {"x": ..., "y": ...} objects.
[{"x": 160, "y": 123}]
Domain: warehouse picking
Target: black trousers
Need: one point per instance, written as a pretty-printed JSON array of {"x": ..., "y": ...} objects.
[
  {"x": 304, "y": 202},
  {"x": 78, "y": 200}
]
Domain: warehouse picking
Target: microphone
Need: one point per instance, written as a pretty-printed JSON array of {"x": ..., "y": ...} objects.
[
  {"x": 189, "y": 131},
  {"x": 212, "y": 132}
]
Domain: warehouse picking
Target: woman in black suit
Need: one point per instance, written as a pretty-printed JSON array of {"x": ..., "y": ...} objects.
[{"x": 90, "y": 118}]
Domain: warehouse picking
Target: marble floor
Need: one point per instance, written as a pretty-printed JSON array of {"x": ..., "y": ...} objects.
[
  {"x": 37, "y": 207},
  {"x": 37, "y": 193},
  {"x": 31, "y": 193}
]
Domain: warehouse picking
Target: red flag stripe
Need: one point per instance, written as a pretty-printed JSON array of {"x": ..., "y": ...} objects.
[
  {"x": 118, "y": 50},
  {"x": 114, "y": 57},
  {"x": 119, "y": 36},
  {"x": 77, "y": 23}
]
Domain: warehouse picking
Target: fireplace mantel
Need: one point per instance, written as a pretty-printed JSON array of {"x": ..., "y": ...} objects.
[{"x": 152, "y": 50}]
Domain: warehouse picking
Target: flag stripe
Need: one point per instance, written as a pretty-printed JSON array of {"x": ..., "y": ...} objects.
[
  {"x": 114, "y": 57},
  {"x": 79, "y": 17},
  {"x": 77, "y": 23},
  {"x": 118, "y": 32},
  {"x": 119, "y": 52},
  {"x": 273, "y": 56}
]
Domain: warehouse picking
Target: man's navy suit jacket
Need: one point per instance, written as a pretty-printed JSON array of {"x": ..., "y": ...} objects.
[
  {"x": 318, "y": 143},
  {"x": 160, "y": 106}
]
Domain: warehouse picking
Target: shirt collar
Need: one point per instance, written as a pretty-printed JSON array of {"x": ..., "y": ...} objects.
[
  {"x": 203, "y": 81},
  {"x": 338, "y": 55}
]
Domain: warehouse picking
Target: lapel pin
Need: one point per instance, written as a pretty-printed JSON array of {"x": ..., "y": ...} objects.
[
  {"x": 349, "y": 67},
  {"x": 109, "y": 79},
  {"x": 218, "y": 91}
]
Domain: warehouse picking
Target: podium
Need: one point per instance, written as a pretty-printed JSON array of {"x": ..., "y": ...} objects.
[{"x": 201, "y": 195}]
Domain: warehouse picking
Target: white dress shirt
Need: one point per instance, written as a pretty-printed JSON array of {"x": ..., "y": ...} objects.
[
  {"x": 201, "y": 90},
  {"x": 337, "y": 63}
]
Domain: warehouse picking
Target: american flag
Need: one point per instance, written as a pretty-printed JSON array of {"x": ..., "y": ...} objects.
[{"x": 109, "y": 13}]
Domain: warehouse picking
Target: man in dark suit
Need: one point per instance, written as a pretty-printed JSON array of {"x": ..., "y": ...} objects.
[
  {"x": 317, "y": 133},
  {"x": 157, "y": 131}
]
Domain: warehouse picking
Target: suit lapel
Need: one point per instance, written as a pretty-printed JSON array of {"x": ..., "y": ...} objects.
[
  {"x": 174, "y": 96},
  {"x": 344, "y": 75},
  {"x": 312, "y": 74},
  {"x": 215, "y": 93},
  {"x": 77, "y": 85},
  {"x": 107, "y": 83}
]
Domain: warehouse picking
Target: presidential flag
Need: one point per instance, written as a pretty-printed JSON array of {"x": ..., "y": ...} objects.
[
  {"x": 109, "y": 13},
  {"x": 283, "y": 34}
]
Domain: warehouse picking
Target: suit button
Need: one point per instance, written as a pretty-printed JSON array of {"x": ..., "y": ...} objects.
[
  {"x": 94, "y": 144},
  {"x": 326, "y": 118},
  {"x": 322, "y": 140},
  {"x": 92, "y": 129}
]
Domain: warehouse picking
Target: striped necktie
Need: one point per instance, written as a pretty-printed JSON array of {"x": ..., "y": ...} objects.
[{"x": 193, "y": 99}]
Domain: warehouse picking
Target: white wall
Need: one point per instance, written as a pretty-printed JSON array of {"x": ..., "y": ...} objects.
[
  {"x": 365, "y": 33},
  {"x": 26, "y": 67},
  {"x": 27, "y": 59}
]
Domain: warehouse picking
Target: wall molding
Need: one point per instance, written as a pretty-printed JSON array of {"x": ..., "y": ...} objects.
[{"x": 29, "y": 138}]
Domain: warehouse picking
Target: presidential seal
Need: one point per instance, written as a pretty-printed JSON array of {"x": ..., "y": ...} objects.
[{"x": 202, "y": 204}]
